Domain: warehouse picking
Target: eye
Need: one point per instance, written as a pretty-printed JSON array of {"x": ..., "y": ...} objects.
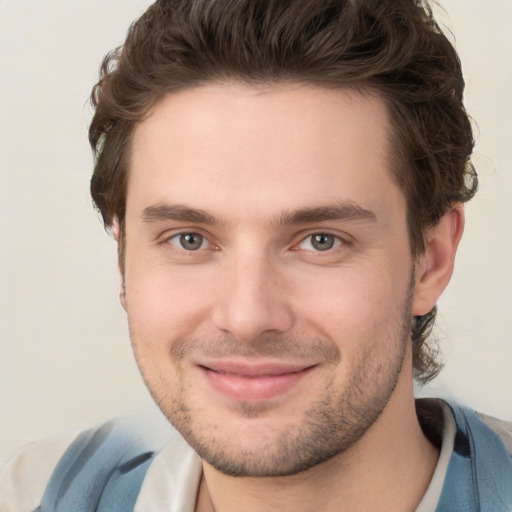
[
  {"x": 320, "y": 242},
  {"x": 189, "y": 241}
]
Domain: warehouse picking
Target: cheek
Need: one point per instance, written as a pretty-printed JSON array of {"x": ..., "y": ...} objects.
[
  {"x": 352, "y": 293},
  {"x": 354, "y": 306},
  {"x": 163, "y": 303}
]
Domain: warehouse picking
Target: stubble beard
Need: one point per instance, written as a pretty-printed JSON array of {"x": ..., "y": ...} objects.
[{"x": 333, "y": 424}]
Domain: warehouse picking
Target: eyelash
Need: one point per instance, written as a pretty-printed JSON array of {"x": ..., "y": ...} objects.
[
  {"x": 338, "y": 242},
  {"x": 182, "y": 234}
]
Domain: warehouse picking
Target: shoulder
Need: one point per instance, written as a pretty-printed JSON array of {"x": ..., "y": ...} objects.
[
  {"x": 435, "y": 414},
  {"x": 502, "y": 428},
  {"x": 483, "y": 426},
  {"x": 23, "y": 479}
]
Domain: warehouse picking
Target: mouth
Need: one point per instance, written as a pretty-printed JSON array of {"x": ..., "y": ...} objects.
[{"x": 249, "y": 382}]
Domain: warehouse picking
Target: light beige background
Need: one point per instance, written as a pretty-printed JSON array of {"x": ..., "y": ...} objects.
[{"x": 65, "y": 359}]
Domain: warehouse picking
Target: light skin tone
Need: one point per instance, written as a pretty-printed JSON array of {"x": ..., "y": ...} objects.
[{"x": 270, "y": 288}]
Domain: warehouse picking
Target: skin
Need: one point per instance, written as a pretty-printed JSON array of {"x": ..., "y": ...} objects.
[{"x": 264, "y": 229}]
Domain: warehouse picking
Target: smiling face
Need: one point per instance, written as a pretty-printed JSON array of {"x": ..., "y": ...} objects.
[{"x": 268, "y": 275}]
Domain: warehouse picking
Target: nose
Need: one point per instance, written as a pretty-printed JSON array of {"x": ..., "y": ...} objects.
[{"x": 253, "y": 300}]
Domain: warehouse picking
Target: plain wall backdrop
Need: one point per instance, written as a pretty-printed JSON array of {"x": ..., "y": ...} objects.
[{"x": 65, "y": 357}]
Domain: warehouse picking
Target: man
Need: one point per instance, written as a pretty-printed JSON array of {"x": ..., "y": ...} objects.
[{"x": 285, "y": 181}]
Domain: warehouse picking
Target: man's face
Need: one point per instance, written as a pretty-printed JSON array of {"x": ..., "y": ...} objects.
[{"x": 268, "y": 275}]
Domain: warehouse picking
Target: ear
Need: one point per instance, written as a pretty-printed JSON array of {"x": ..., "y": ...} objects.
[
  {"x": 122, "y": 295},
  {"x": 115, "y": 229},
  {"x": 435, "y": 266}
]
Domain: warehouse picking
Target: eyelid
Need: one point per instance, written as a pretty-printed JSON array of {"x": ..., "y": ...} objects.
[
  {"x": 169, "y": 234},
  {"x": 178, "y": 237},
  {"x": 343, "y": 238}
]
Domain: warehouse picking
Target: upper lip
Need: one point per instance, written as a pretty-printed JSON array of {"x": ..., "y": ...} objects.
[{"x": 254, "y": 370}]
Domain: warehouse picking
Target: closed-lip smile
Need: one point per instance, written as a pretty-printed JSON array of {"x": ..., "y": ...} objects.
[{"x": 253, "y": 381}]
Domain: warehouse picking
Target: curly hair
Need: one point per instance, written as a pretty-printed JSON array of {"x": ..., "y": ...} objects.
[{"x": 392, "y": 48}]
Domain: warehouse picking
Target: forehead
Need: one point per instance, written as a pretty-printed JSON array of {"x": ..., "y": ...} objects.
[{"x": 250, "y": 150}]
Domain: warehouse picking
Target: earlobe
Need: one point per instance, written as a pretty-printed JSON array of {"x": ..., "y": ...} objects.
[
  {"x": 122, "y": 296},
  {"x": 435, "y": 266},
  {"x": 115, "y": 229}
]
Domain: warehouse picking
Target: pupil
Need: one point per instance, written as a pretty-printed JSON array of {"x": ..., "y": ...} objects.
[
  {"x": 323, "y": 241},
  {"x": 191, "y": 241}
]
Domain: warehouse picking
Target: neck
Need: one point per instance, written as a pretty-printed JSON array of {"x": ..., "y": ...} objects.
[{"x": 389, "y": 468}]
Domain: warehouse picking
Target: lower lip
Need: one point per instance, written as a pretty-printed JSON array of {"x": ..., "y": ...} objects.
[{"x": 254, "y": 388}]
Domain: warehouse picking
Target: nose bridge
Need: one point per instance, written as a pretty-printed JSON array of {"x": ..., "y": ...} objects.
[{"x": 253, "y": 299}]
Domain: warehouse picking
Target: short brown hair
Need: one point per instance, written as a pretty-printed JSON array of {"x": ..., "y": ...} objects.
[{"x": 392, "y": 48}]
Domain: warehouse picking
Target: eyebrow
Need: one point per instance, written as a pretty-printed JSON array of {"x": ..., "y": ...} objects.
[
  {"x": 160, "y": 212},
  {"x": 345, "y": 211}
]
